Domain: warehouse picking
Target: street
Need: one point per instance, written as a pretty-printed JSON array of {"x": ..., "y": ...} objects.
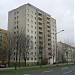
[{"x": 52, "y": 71}]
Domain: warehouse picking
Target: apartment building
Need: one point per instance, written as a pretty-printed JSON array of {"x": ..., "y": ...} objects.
[
  {"x": 38, "y": 25},
  {"x": 66, "y": 52},
  {"x": 3, "y": 45}
]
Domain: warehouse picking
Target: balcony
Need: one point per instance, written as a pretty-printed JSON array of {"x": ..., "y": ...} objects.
[
  {"x": 49, "y": 35},
  {"x": 48, "y": 26},
  {"x": 50, "y": 54},
  {"x": 40, "y": 23},
  {"x": 48, "y": 22},
  {"x": 40, "y": 28},
  {"x": 39, "y": 18},
  {"x": 48, "y": 18},
  {"x": 39, "y": 13}
]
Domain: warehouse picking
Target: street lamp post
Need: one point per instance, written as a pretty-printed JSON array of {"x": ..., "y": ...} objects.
[{"x": 56, "y": 46}]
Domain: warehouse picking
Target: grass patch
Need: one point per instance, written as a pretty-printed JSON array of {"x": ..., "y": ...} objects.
[{"x": 21, "y": 70}]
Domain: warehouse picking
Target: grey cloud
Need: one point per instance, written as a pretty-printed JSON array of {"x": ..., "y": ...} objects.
[{"x": 61, "y": 10}]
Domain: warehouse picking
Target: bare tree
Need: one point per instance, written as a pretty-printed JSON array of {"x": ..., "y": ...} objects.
[
  {"x": 2, "y": 55},
  {"x": 42, "y": 59},
  {"x": 26, "y": 45},
  {"x": 10, "y": 45},
  {"x": 66, "y": 52}
]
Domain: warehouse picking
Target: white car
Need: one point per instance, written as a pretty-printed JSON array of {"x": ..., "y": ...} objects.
[{"x": 2, "y": 65}]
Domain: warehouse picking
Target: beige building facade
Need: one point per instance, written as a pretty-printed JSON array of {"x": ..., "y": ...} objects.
[
  {"x": 37, "y": 24},
  {"x": 66, "y": 53},
  {"x": 3, "y": 46}
]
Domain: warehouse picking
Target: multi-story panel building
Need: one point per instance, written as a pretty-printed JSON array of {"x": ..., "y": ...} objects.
[
  {"x": 3, "y": 45},
  {"x": 66, "y": 53},
  {"x": 37, "y": 24}
]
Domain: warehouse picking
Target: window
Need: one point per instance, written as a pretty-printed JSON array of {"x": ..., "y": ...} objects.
[
  {"x": 53, "y": 29},
  {"x": 28, "y": 36},
  {"x": 49, "y": 35},
  {"x": 40, "y": 28},
  {"x": 31, "y": 11},
  {"x": 48, "y": 18},
  {"x": 31, "y": 16},
  {"x": 28, "y": 20},
  {"x": 35, "y": 53},
  {"x": 17, "y": 12},
  {"x": 49, "y": 44},
  {"x": 49, "y": 54},
  {"x": 27, "y": 58},
  {"x": 14, "y": 27},
  {"x": 35, "y": 27},
  {"x": 31, "y": 58},
  {"x": 31, "y": 26},
  {"x": 27, "y": 9},
  {"x": 48, "y": 30},
  {"x": 17, "y": 17},
  {"x": 32, "y": 37},
  {"x": 40, "y": 19},
  {"x": 35, "y": 58},
  {"x": 48, "y": 22},
  {"x": 32, "y": 53},
  {"x": 40, "y": 14},
  {"x": 14, "y": 58},
  {"x": 17, "y": 31},
  {"x": 35, "y": 47},
  {"x": 49, "y": 49},
  {"x": 28, "y": 25},
  {"x": 14, "y": 53},
  {"x": 35, "y": 42},
  {"x": 28, "y": 15},
  {"x": 49, "y": 39},
  {"x": 35, "y": 37},
  {"x": 40, "y": 32},
  {"x": 35, "y": 22},
  {"x": 40, "y": 23},
  {"x": 35, "y": 32},
  {"x": 48, "y": 26},
  {"x": 27, "y": 30},
  {"x": 14, "y": 22},
  {"x": 14, "y": 32},
  {"x": 17, "y": 22},
  {"x": 31, "y": 21},
  {"x": 35, "y": 18},
  {"x": 17, "y": 26},
  {"x": 31, "y": 31}
]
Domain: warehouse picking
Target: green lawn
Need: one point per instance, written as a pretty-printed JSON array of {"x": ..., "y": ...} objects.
[{"x": 19, "y": 70}]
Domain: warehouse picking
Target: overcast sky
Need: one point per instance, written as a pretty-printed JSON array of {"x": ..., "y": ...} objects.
[{"x": 61, "y": 10}]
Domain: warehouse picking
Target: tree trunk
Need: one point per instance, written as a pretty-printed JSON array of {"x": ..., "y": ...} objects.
[
  {"x": 19, "y": 56},
  {"x": 25, "y": 61},
  {"x": 8, "y": 60}
]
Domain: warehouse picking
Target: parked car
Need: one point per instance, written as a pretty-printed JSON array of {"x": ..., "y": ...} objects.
[{"x": 2, "y": 65}]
